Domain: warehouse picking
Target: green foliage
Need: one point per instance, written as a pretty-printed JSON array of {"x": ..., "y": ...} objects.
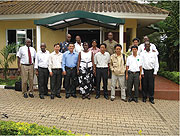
[
  {"x": 173, "y": 76},
  {"x": 7, "y": 57},
  {"x": 9, "y": 82},
  {"x": 13, "y": 128},
  {"x": 166, "y": 36}
]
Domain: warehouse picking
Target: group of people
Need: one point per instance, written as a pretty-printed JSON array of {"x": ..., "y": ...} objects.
[{"x": 83, "y": 66}]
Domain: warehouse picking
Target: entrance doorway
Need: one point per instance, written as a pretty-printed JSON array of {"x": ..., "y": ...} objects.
[{"x": 86, "y": 35}]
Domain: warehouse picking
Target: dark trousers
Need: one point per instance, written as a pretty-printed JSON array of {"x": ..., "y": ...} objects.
[
  {"x": 148, "y": 84},
  {"x": 133, "y": 79},
  {"x": 101, "y": 73},
  {"x": 43, "y": 76},
  {"x": 71, "y": 80},
  {"x": 56, "y": 81}
]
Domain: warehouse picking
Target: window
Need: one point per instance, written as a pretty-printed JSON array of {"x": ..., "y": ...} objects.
[{"x": 18, "y": 36}]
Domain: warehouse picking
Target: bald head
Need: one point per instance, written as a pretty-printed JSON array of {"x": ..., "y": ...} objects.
[
  {"x": 43, "y": 47},
  {"x": 146, "y": 38},
  {"x": 68, "y": 37},
  {"x": 28, "y": 42}
]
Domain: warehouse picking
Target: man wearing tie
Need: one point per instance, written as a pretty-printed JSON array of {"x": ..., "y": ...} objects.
[{"x": 26, "y": 56}]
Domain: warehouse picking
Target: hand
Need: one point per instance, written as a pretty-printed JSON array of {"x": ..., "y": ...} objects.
[
  {"x": 154, "y": 75},
  {"x": 139, "y": 77},
  {"x": 64, "y": 72},
  {"x": 51, "y": 73},
  {"x": 19, "y": 70},
  {"x": 36, "y": 72},
  {"x": 77, "y": 72},
  {"x": 126, "y": 77},
  {"x": 142, "y": 75},
  {"x": 94, "y": 72}
]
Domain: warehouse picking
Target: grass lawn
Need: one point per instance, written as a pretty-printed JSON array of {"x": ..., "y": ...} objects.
[{"x": 8, "y": 82}]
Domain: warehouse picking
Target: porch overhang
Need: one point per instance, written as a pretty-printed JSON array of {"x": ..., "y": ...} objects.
[{"x": 79, "y": 17}]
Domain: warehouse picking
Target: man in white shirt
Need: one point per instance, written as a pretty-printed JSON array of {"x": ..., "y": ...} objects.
[
  {"x": 102, "y": 60},
  {"x": 141, "y": 47},
  {"x": 55, "y": 71},
  {"x": 41, "y": 69},
  {"x": 26, "y": 56},
  {"x": 150, "y": 68},
  {"x": 133, "y": 73},
  {"x": 78, "y": 45}
]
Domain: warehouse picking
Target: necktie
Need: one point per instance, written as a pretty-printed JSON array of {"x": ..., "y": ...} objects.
[{"x": 29, "y": 55}]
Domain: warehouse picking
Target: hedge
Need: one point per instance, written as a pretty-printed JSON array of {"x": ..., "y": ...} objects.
[
  {"x": 21, "y": 128},
  {"x": 173, "y": 76}
]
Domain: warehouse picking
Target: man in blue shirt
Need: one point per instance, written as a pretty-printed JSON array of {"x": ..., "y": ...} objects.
[
  {"x": 64, "y": 45},
  {"x": 69, "y": 63}
]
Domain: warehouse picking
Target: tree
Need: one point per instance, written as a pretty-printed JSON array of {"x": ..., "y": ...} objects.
[
  {"x": 168, "y": 34},
  {"x": 7, "y": 57}
]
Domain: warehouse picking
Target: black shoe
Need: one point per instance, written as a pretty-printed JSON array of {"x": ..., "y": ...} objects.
[
  {"x": 47, "y": 94},
  {"x": 125, "y": 100},
  {"x": 52, "y": 96},
  {"x": 88, "y": 96},
  {"x": 136, "y": 100},
  {"x": 73, "y": 95},
  {"x": 97, "y": 96},
  {"x": 130, "y": 100},
  {"x": 112, "y": 99},
  {"x": 152, "y": 101},
  {"x": 41, "y": 96},
  {"x": 83, "y": 97},
  {"x": 25, "y": 95},
  {"x": 67, "y": 96},
  {"x": 106, "y": 97},
  {"x": 31, "y": 95},
  {"x": 58, "y": 96},
  {"x": 144, "y": 99}
]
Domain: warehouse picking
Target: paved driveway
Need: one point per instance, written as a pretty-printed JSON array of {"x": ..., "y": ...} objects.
[{"x": 95, "y": 117}]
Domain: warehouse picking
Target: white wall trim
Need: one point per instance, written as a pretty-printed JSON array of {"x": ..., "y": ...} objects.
[
  {"x": 134, "y": 15},
  {"x": 27, "y": 16},
  {"x": 121, "y": 36},
  {"x": 113, "y": 14}
]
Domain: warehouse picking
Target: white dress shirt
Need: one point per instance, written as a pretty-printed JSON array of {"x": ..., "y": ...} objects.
[
  {"x": 42, "y": 59},
  {"x": 141, "y": 48},
  {"x": 23, "y": 54},
  {"x": 78, "y": 48},
  {"x": 55, "y": 61},
  {"x": 134, "y": 63},
  {"x": 150, "y": 61},
  {"x": 102, "y": 60}
]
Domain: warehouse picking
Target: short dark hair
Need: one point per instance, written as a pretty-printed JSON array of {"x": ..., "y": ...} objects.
[
  {"x": 136, "y": 39},
  {"x": 110, "y": 32},
  {"x": 56, "y": 44},
  {"x": 85, "y": 43},
  {"x": 118, "y": 45},
  {"x": 70, "y": 43},
  {"x": 134, "y": 47},
  {"x": 103, "y": 44},
  {"x": 94, "y": 40}
]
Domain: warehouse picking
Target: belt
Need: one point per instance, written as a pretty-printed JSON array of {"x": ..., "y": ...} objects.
[
  {"x": 42, "y": 68},
  {"x": 70, "y": 68},
  {"x": 56, "y": 68},
  {"x": 148, "y": 69},
  {"x": 133, "y": 72},
  {"x": 27, "y": 64},
  {"x": 102, "y": 67}
]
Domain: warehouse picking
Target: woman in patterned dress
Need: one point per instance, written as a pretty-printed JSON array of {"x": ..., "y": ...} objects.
[{"x": 85, "y": 70}]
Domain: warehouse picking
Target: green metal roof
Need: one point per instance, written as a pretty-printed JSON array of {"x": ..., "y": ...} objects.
[{"x": 78, "y": 17}]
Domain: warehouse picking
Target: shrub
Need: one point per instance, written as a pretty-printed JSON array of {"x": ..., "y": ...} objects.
[{"x": 21, "y": 128}]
